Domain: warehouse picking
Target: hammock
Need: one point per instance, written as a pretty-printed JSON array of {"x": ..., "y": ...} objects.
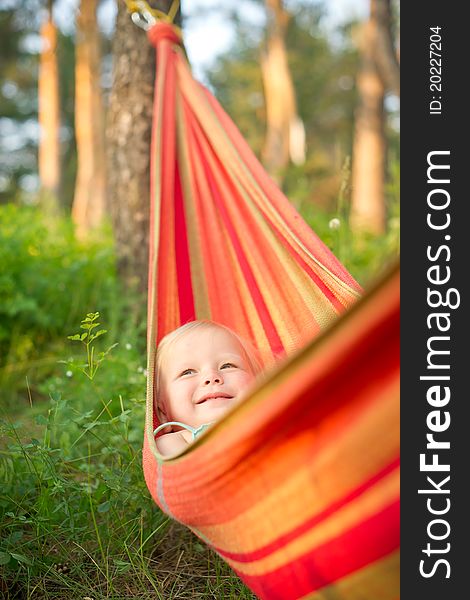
[{"x": 297, "y": 487}]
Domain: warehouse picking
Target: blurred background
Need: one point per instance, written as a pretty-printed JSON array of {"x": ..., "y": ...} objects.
[{"x": 314, "y": 88}]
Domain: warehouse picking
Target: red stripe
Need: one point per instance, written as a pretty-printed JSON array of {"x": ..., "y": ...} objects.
[
  {"x": 294, "y": 253},
  {"x": 167, "y": 158},
  {"x": 362, "y": 545},
  {"x": 312, "y": 522},
  {"x": 261, "y": 308},
  {"x": 211, "y": 238},
  {"x": 281, "y": 204},
  {"x": 183, "y": 269}
]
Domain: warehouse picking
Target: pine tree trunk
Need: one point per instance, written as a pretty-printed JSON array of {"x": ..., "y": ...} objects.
[
  {"x": 285, "y": 139},
  {"x": 90, "y": 187},
  {"x": 128, "y": 133},
  {"x": 386, "y": 57},
  {"x": 368, "y": 211},
  {"x": 49, "y": 117}
]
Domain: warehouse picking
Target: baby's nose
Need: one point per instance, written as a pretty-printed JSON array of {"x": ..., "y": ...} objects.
[{"x": 213, "y": 377}]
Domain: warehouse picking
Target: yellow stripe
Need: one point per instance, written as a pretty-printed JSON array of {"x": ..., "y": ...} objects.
[
  {"x": 309, "y": 299},
  {"x": 379, "y": 581},
  {"x": 254, "y": 327},
  {"x": 362, "y": 508}
]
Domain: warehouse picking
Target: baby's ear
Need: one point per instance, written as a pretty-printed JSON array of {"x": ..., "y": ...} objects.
[{"x": 161, "y": 414}]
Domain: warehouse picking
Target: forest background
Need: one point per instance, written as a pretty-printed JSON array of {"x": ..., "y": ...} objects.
[{"x": 76, "y": 520}]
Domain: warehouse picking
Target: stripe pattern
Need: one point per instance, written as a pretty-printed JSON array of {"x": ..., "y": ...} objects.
[{"x": 297, "y": 487}]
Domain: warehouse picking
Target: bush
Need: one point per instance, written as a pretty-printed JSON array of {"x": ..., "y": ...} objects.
[{"x": 48, "y": 281}]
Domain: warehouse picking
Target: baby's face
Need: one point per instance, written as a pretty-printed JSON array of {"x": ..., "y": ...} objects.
[{"x": 203, "y": 374}]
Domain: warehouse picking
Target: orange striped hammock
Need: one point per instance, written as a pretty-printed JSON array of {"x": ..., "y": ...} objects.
[{"x": 297, "y": 488}]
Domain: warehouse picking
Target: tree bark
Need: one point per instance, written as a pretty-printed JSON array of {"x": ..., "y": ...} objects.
[
  {"x": 368, "y": 211},
  {"x": 49, "y": 117},
  {"x": 385, "y": 55},
  {"x": 285, "y": 138},
  {"x": 128, "y": 133},
  {"x": 90, "y": 187}
]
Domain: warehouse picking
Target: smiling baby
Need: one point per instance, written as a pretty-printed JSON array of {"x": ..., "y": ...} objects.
[{"x": 203, "y": 369}]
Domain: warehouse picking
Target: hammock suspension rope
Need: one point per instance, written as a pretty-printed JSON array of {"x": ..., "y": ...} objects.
[{"x": 145, "y": 17}]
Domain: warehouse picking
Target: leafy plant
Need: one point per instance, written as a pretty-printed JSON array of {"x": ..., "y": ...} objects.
[{"x": 90, "y": 323}]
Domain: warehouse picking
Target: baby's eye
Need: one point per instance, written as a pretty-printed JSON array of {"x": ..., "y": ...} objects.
[
  {"x": 228, "y": 366},
  {"x": 187, "y": 372}
]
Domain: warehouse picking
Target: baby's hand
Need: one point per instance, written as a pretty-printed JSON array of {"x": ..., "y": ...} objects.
[{"x": 173, "y": 443}]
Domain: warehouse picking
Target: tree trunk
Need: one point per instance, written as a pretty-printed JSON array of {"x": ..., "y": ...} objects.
[
  {"x": 285, "y": 137},
  {"x": 385, "y": 55},
  {"x": 128, "y": 132},
  {"x": 90, "y": 187},
  {"x": 368, "y": 172},
  {"x": 49, "y": 117}
]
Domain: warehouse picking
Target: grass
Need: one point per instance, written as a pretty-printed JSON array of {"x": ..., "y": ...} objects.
[{"x": 77, "y": 520}]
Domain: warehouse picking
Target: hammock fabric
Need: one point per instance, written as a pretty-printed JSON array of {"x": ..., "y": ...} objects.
[{"x": 297, "y": 487}]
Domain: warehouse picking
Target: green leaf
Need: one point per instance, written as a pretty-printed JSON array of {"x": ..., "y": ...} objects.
[
  {"x": 124, "y": 416},
  {"x": 74, "y": 338},
  {"x": 101, "y": 355},
  {"x": 97, "y": 334},
  {"x": 122, "y": 566},
  {"x": 21, "y": 558},
  {"x": 15, "y": 536},
  {"x": 89, "y": 426},
  {"x": 91, "y": 317},
  {"x": 104, "y": 507},
  {"x": 41, "y": 420},
  {"x": 55, "y": 397},
  {"x": 4, "y": 558}
]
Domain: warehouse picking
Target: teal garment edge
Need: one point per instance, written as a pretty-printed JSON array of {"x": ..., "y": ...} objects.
[{"x": 195, "y": 431}]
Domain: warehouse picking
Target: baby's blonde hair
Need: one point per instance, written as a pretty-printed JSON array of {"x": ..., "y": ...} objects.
[{"x": 251, "y": 354}]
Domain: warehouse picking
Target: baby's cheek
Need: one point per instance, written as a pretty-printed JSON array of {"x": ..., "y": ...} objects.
[{"x": 245, "y": 380}]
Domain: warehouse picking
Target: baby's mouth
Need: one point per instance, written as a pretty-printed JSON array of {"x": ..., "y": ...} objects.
[{"x": 214, "y": 396}]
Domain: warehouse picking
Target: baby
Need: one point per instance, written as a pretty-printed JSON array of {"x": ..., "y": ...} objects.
[{"x": 202, "y": 370}]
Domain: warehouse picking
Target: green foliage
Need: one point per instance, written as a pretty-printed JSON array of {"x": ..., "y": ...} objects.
[
  {"x": 74, "y": 507},
  {"x": 364, "y": 255},
  {"x": 46, "y": 280}
]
